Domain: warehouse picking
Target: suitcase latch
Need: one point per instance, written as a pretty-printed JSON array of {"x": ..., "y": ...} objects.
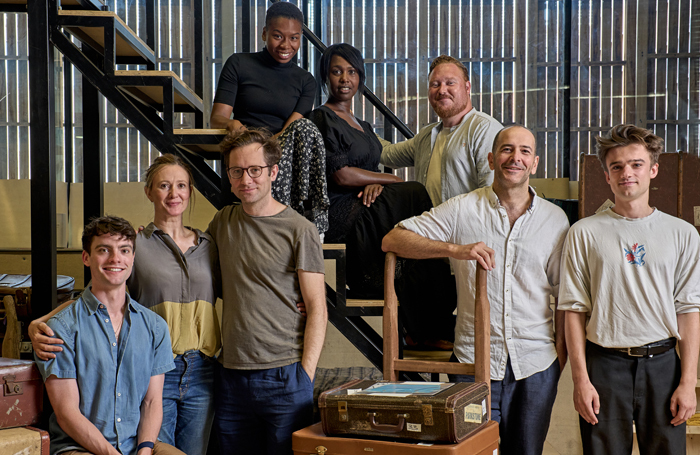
[
  {"x": 320, "y": 450},
  {"x": 12, "y": 387},
  {"x": 428, "y": 414},
  {"x": 343, "y": 411}
]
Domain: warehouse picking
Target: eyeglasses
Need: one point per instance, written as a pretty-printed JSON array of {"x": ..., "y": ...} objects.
[{"x": 253, "y": 171}]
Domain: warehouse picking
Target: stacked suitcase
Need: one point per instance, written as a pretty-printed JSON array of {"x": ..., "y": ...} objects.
[
  {"x": 20, "y": 407},
  {"x": 409, "y": 418}
]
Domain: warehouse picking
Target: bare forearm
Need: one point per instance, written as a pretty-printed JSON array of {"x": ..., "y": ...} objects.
[
  {"x": 313, "y": 290},
  {"x": 314, "y": 335},
  {"x": 408, "y": 244},
  {"x": 218, "y": 121},
  {"x": 560, "y": 336},
  {"x": 576, "y": 344},
  {"x": 353, "y": 177},
  {"x": 689, "y": 346},
  {"x": 151, "y": 420},
  {"x": 82, "y": 431}
]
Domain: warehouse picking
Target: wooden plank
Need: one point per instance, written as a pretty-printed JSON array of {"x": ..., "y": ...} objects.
[
  {"x": 13, "y": 89},
  {"x": 672, "y": 77},
  {"x": 122, "y": 153},
  {"x": 606, "y": 71},
  {"x": 476, "y": 52},
  {"x": 584, "y": 77},
  {"x": 651, "y": 72},
  {"x": 595, "y": 72},
  {"x": 452, "y": 37},
  {"x": 630, "y": 67},
  {"x": 574, "y": 92},
  {"x": 510, "y": 29},
  {"x": 541, "y": 84},
  {"x": 401, "y": 68},
  {"x": 694, "y": 108},
  {"x": 423, "y": 110},
  {"x": 498, "y": 67},
  {"x": 684, "y": 94},
  {"x": 487, "y": 52}
]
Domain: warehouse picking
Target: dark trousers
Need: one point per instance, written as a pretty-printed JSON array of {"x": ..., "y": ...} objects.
[
  {"x": 522, "y": 408},
  {"x": 258, "y": 410},
  {"x": 635, "y": 390}
]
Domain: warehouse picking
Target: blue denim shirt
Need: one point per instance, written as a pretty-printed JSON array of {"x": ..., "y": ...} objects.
[{"x": 112, "y": 377}]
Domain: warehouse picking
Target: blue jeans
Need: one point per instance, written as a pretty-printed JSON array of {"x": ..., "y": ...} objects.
[
  {"x": 258, "y": 410},
  {"x": 188, "y": 403},
  {"x": 522, "y": 408}
]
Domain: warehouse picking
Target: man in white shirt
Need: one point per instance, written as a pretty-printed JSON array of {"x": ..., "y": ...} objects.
[
  {"x": 518, "y": 237},
  {"x": 631, "y": 288},
  {"x": 450, "y": 156}
]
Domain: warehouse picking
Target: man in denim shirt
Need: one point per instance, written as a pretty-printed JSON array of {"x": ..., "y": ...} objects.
[{"x": 106, "y": 387}]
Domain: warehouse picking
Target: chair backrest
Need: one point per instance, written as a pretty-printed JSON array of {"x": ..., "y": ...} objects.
[{"x": 481, "y": 369}]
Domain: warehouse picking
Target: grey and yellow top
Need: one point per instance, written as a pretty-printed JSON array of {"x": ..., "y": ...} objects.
[{"x": 180, "y": 287}]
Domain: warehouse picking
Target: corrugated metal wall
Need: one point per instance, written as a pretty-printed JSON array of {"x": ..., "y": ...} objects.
[{"x": 633, "y": 61}]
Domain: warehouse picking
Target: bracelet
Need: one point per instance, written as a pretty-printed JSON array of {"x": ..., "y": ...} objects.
[{"x": 145, "y": 444}]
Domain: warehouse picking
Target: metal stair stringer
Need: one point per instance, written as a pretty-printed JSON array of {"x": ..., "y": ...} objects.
[{"x": 206, "y": 179}]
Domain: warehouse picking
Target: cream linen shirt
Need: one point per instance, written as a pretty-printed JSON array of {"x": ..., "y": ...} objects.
[{"x": 519, "y": 288}]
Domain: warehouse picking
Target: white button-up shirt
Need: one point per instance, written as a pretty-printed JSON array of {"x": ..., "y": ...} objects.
[{"x": 519, "y": 288}]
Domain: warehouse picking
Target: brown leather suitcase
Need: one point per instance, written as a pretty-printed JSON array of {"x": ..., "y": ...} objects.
[
  {"x": 424, "y": 411},
  {"x": 25, "y": 441},
  {"x": 312, "y": 441},
  {"x": 22, "y": 396}
]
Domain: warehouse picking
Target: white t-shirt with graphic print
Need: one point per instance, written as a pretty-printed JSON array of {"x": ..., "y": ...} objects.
[{"x": 631, "y": 275}]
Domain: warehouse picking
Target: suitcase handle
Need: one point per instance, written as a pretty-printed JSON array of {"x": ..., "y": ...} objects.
[{"x": 386, "y": 428}]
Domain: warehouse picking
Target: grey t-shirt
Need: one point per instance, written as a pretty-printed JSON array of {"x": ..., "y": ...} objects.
[{"x": 259, "y": 256}]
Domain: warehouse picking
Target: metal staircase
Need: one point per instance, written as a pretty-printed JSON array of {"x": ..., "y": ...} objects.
[{"x": 150, "y": 100}]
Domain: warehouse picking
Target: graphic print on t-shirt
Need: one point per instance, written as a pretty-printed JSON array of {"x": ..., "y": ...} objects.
[{"x": 635, "y": 255}]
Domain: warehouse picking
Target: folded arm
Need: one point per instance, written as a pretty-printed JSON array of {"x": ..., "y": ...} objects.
[{"x": 65, "y": 399}]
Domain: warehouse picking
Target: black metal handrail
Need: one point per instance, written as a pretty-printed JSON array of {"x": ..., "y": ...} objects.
[{"x": 369, "y": 94}]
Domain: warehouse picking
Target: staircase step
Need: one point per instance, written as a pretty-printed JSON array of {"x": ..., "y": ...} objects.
[
  {"x": 148, "y": 87},
  {"x": 90, "y": 27},
  {"x": 83, "y": 4},
  {"x": 202, "y": 142}
]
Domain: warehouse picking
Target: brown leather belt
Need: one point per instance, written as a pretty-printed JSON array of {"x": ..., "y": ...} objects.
[{"x": 648, "y": 350}]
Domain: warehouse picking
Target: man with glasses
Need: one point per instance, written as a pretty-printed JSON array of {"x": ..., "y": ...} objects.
[{"x": 270, "y": 258}]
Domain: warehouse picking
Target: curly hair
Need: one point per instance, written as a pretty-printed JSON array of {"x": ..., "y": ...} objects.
[
  {"x": 283, "y": 9},
  {"x": 240, "y": 138},
  {"x": 622, "y": 135},
  {"x": 112, "y": 225},
  {"x": 447, "y": 59}
]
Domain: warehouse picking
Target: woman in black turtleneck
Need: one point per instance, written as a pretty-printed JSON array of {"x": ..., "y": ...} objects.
[{"x": 268, "y": 90}]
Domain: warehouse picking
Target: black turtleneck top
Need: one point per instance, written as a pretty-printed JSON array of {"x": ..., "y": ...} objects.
[{"x": 264, "y": 92}]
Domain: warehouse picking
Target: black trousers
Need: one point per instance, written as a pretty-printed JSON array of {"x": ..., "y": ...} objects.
[{"x": 631, "y": 390}]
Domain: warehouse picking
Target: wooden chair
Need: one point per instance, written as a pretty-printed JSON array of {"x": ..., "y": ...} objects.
[{"x": 482, "y": 335}]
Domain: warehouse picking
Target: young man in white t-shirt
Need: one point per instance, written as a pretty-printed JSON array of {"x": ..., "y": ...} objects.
[{"x": 630, "y": 283}]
